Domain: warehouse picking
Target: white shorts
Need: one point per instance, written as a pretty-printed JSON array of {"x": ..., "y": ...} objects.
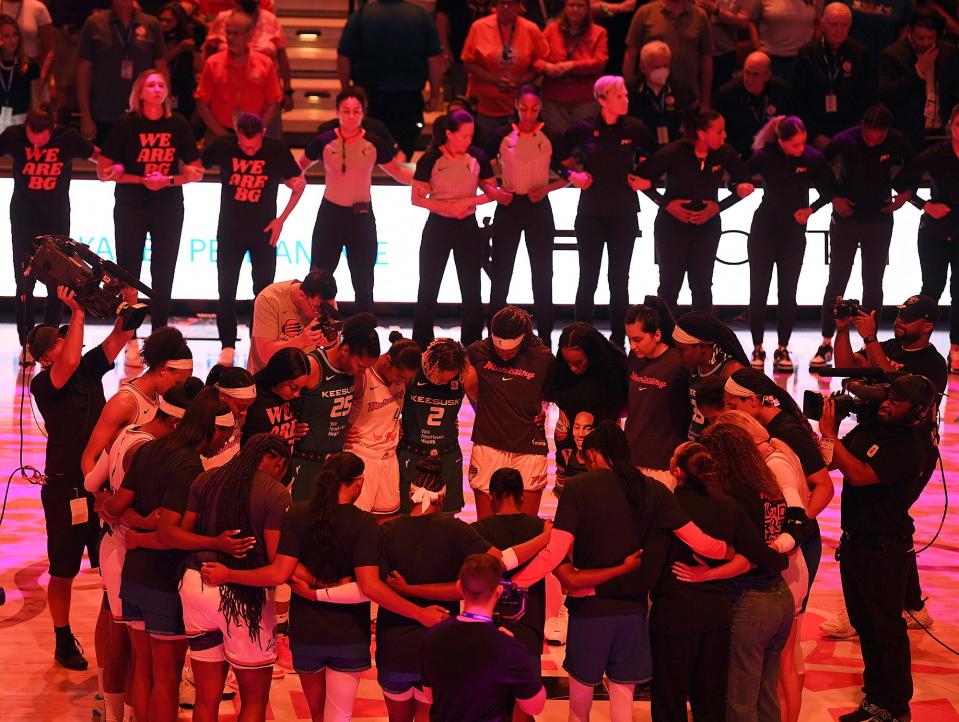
[
  {"x": 381, "y": 482},
  {"x": 484, "y": 460},
  {"x": 112, "y": 553},
  {"x": 213, "y": 639}
]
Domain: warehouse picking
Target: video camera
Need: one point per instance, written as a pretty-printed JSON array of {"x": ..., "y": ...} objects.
[
  {"x": 97, "y": 283},
  {"x": 847, "y": 308},
  {"x": 512, "y": 603},
  {"x": 864, "y": 389}
]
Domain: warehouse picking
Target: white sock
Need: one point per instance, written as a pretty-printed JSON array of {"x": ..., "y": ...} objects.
[
  {"x": 580, "y": 701},
  {"x": 127, "y": 712},
  {"x": 100, "y": 682},
  {"x": 621, "y": 702},
  {"x": 114, "y": 706}
]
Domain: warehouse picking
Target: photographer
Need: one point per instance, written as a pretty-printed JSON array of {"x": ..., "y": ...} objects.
[
  {"x": 882, "y": 462},
  {"x": 497, "y": 672},
  {"x": 283, "y": 313},
  {"x": 69, "y": 394},
  {"x": 909, "y": 352}
]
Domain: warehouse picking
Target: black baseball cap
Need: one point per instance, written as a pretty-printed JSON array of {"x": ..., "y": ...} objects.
[
  {"x": 916, "y": 389},
  {"x": 916, "y": 307},
  {"x": 42, "y": 338}
]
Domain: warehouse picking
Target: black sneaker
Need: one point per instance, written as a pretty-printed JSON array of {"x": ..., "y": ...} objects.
[
  {"x": 759, "y": 359},
  {"x": 70, "y": 655},
  {"x": 867, "y": 712},
  {"x": 782, "y": 364},
  {"x": 822, "y": 358}
]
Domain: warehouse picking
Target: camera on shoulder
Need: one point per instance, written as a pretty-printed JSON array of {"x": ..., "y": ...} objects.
[
  {"x": 512, "y": 603},
  {"x": 97, "y": 283}
]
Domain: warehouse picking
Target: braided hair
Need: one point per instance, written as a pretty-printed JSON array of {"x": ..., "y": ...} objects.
[
  {"x": 225, "y": 504},
  {"x": 513, "y": 322},
  {"x": 609, "y": 440},
  {"x": 339, "y": 470},
  {"x": 443, "y": 355}
]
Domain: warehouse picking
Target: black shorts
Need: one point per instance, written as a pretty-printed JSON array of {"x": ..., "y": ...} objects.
[{"x": 67, "y": 541}]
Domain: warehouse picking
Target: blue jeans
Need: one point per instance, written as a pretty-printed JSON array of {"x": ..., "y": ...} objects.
[{"x": 762, "y": 619}]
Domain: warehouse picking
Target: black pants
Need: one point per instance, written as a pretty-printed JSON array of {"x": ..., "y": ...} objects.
[
  {"x": 682, "y": 248},
  {"x": 780, "y": 242},
  {"x": 23, "y": 229},
  {"x": 938, "y": 250},
  {"x": 618, "y": 235},
  {"x": 164, "y": 223},
  {"x": 231, "y": 246},
  {"x": 401, "y": 112},
  {"x": 844, "y": 238},
  {"x": 535, "y": 221},
  {"x": 873, "y": 574},
  {"x": 338, "y": 227},
  {"x": 462, "y": 237},
  {"x": 693, "y": 667}
]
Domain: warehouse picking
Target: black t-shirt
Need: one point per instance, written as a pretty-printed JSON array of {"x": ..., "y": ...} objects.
[
  {"x": 143, "y": 146},
  {"x": 767, "y": 515},
  {"x": 658, "y": 411},
  {"x": 787, "y": 180},
  {"x": 510, "y": 397},
  {"x": 503, "y": 531},
  {"x": 70, "y": 413},
  {"x": 926, "y": 362},
  {"x": 355, "y": 540},
  {"x": 608, "y": 153},
  {"x": 249, "y": 182},
  {"x": 41, "y": 176},
  {"x": 426, "y": 549},
  {"x": 791, "y": 431},
  {"x": 897, "y": 455},
  {"x": 680, "y": 607},
  {"x": 159, "y": 477},
  {"x": 476, "y": 672},
  {"x": 462, "y": 14},
  {"x": 270, "y": 414},
  {"x": 595, "y": 510},
  {"x": 15, "y": 92},
  {"x": 431, "y": 412}
]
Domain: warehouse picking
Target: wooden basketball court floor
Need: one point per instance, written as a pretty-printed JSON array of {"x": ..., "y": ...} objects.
[{"x": 33, "y": 687}]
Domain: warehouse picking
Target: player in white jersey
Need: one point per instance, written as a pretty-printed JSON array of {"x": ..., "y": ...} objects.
[
  {"x": 169, "y": 362},
  {"x": 116, "y": 662},
  {"x": 375, "y": 423}
]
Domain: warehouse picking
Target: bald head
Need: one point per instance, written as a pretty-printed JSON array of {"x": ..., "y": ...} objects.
[
  {"x": 836, "y": 21},
  {"x": 757, "y": 70}
]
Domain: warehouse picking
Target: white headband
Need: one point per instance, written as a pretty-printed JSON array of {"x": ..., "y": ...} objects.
[
  {"x": 241, "y": 392},
  {"x": 170, "y": 410},
  {"x": 226, "y": 420},
  {"x": 734, "y": 389},
  {"x": 424, "y": 497},
  {"x": 507, "y": 344},
  {"x": 681, "y": 336},
  {"x": 180, "y": 364}
]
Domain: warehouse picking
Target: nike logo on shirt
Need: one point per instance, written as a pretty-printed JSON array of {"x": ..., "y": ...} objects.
[{"x": 508, "y": 378}]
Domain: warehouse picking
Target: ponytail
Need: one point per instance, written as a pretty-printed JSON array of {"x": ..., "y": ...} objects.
[
  {"x": 699, "y": 466},
  {"x": 339, "y": 470},
  {"x": 781, "y": 127}
]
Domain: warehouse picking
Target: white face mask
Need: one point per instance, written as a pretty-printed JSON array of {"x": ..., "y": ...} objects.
[{"x": 659, "y": 76}]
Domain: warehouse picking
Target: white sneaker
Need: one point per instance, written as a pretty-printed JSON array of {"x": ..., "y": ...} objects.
[
  {"x": 918, "y": 619},
  {"x": 823, "y": 356},
  {"x": 132, "y": 357},
  {"x": 187, "y": 692},
  {"x": 838, "y": 627},
  {"x": 557, "y": 628},
  {"x": 226, "y": 357}
]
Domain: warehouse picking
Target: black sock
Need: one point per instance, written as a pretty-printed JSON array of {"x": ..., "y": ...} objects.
[
  {"x": 64, "y": 636},
  {"x": 282, "y": 629}
]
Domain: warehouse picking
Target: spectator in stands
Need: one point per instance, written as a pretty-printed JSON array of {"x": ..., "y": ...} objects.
[
  {"x": 453, "y": 21},
  {"x": 391, "y": 48},
  {"x": 730, "y": 21},
  {"x": 685, "y": 28},
  {"x": 116, "y": 47},
  {"x": 783, "y": 27},
  {"x": 576, "y": 58},
  {"x": 237, "y": 80},
  {"x": 500, "y": 54},
  {"x": 749, "y": 102},
  {"x": 283, "y": 316},
  {"x": 267, "y": 38},
  {"x": 833, "y": 79},
  {"x": 212, "y": 8},
  {"x": 615, "y": 17},
  {"x": 36, "y": 27},
  {"x": 542, "y": 11},
  {"x": 919, "y": 79},
  {"x": 878, "y": 25},
  {"x": 17, "y": 73},
  {"x": 181, "y": 57},
  {"x": 660, "y": 100},
  {"x": 68, "y": 19}
]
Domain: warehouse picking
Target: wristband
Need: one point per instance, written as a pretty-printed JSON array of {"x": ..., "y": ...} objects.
[
  {"x": 564, "y": 172},
  {"x": 510, "y": 560},
  {"x": 869, "y": 339}
]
